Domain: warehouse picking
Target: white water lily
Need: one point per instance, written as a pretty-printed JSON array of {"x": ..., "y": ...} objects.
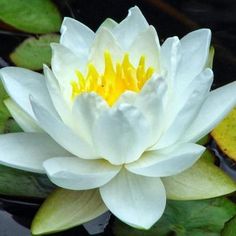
[{"x": 117, "y": 112}]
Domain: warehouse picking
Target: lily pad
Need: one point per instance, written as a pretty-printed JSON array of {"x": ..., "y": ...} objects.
[
  {"x": 225, "y": 135},
  {"x": 65, "y": 209},
  {"x": 230, "y": 228},
  {"x": 188, "y": 218},
  {"x": 203, "y": 180},
  {"x": 18, "y": 183},
  {"x": 34, "y": 52},
  {"x": 31, "y": 16}
]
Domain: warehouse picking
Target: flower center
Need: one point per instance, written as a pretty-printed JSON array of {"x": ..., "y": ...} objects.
[{"x": 114, "y": 81}]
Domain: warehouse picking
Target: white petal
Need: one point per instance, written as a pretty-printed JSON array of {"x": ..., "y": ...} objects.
[
  {"x": 194, "y": 54},
  {"x": 21, "y": 117},
  {"x": 217, "y": 105},
  {"x": 62, "y": 133},
  {"x": 121, "y": 134},
  {"x": 108, "y": 24},
  {"x": 184, "y": 108},
  {"x": 104, "y": 41},
  {"x": 28, "y": 151},
  {"x": 86, "y": 109},
  {"x": 151, "y": 101},
  {"x": 168, "y": 161},
  {"x": 169, "y": 59},
  {"x": 130, "y": 27},
  {"x": 21, "y": 83},
  {"x": 146, "y": 44},
  {"x": 58, "y": 100},
  {"x": 64, "y": 65},
  {"x": 136, "y": 200},
  {"x": 78, "y": 174},
  {"x": 76, "y": 36},
  {"x": 128, "y": 97}
]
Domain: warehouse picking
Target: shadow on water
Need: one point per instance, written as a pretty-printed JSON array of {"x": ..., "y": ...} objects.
[{"x": 169, "y": 18}]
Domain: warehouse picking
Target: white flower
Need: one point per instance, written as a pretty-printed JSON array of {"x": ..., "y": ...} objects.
[{"x": 117, "y": 112}]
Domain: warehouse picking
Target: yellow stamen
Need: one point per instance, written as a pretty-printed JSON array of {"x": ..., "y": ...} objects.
[{"x": 114, "y": 81}]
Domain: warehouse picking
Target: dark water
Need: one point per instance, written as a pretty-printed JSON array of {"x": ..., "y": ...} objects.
[{"x": 169, "y": 18}]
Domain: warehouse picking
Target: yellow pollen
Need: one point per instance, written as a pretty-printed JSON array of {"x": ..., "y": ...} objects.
[{"x": 114, "y": 81}]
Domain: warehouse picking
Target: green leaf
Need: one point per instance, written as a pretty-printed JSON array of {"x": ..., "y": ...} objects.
[
  {"x": 20, "y": 183},
  {"x": 65, "y": 209},
  {"x": 204, "y": 140},
  {"x": 230, "y": 228},
  {"x": 186, "y": 218},
  {"x": 225, "y": 135},
  {"x": 36, "y": 16},
  {"x": 203, "y": 180},
  {"x": 33, "y": 52}
]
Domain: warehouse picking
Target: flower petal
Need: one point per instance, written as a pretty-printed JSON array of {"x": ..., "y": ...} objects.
[
  {"x": 62, "y": 133},
  {"x": 146, "y": 44},
  {"x": 169, "y": 59},
  {"x": 108, "y": 24},
  {"x": 21, "y": 117},
  {"x": 86, "y": 109},
  {"x": 64, "y": 65},
  {"x": 136, "y": 200},
  {"x": 130, "y": 27},
  {"x": 28, "y": 151},
  {"x": 217, "y": 105},
  {"x": 114, "y": 130},
  {"x": 168, "y": 161},
  {"x": 194, "y": 54},
  {"x": 183, "y": 109},
  {"x": 76, "y": 36},
  {"x": 151, "y": 102},
  {"x": 104, "y": 41},
  {"x": 78, "y": 174},
  {"x": 21, "y": 83}
]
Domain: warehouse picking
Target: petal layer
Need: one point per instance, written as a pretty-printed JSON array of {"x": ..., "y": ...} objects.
[
  {"x": 136, "y": 200},
  {"x": 28, "y": 151},
  {"x": 168, "y": 161},
  {"x": 115, "y": 129},
  {"x": 78, "y": 174}
]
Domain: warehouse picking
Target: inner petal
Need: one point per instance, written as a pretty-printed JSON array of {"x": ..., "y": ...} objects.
[{"x": 115, "y": 80}]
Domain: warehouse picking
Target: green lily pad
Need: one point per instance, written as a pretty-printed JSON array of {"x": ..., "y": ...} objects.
[
  {"x": 64, "y": 209},
  {"x": 230, "y": 228},
  {"x": 34, "y": 52},
  {"x": 38, "y": 16},
  {"x": 18, "y": 183},
  {"x": 186, "y": 218},
  {"x": 225, "y": 135},
  {"x": 203, "y": 180}
]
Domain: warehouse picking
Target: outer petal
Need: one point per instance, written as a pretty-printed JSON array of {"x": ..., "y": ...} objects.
[
  {"x": 28, "y": 151},
  {"x": 137, "y": 200},
  {"x": 86, "y": 109},
  {"x": 130, "y": 28},
  {"x": 59, "y": 102},
  {"x": 108, "y": 24},
  {"x": 194, "y": 50},
  {"x": 217, "y": 105},
  {"x": 21, "y": 83},
  {"x": 169, "y": 59},
  {"x": 78, "y": 174},
  {"x": 151, "y": 101},
  {"x": 184, "y": 108},
  {"x": 104, "y": 41},
  {"x": 116, "y": 128},
  {"x": 76, "y": 36},
  {"x": 21, "y": 117},
  {"x": 64, "y": 65},
  {"x": 168, "y": 161},
  {"x": 147, "y": 44},
  {"x": 62, "y": 134}
]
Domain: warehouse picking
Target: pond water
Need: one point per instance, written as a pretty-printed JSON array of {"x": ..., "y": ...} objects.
[{"x": 169, "y": 18}]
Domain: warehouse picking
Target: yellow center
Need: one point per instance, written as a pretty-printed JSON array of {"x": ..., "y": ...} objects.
[{"x": 114, "y": 81}]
